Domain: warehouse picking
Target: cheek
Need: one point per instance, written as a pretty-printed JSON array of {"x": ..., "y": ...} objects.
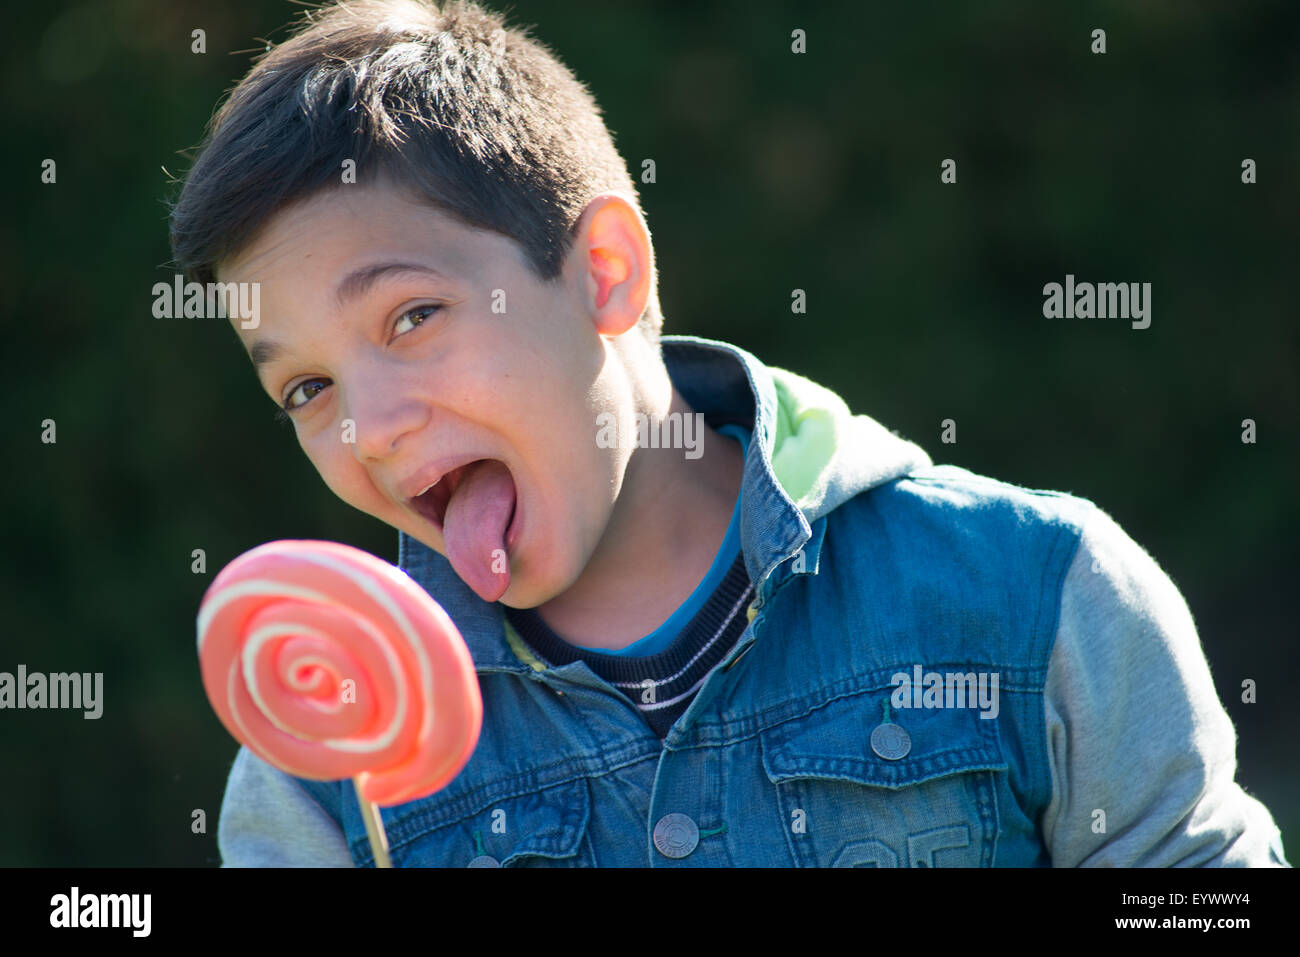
[
  {"x": 589, "y": 477},
  {"x": 341, "y": 472}
]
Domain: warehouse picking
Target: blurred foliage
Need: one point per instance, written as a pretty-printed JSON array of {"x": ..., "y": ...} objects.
[{"x": 775, "y": 172}]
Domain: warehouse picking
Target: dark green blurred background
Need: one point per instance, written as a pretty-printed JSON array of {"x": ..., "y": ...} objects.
[{"x": 775, "y": 171}]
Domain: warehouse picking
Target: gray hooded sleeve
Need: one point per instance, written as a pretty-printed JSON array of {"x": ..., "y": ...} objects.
[
  {"x": 269, "y": 820},
  {"x": 1135, "y": 730}
]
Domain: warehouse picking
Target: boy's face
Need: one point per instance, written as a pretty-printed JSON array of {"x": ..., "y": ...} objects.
[{"x": 395, "y": 376}]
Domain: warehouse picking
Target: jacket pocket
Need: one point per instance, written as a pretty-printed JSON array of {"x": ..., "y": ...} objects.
[
  {"x": 546, "y": 827},
  {"x": 843, "y": 804}
]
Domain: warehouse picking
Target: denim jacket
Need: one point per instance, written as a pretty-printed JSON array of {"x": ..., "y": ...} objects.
[{"x": 1100, "y": 739}]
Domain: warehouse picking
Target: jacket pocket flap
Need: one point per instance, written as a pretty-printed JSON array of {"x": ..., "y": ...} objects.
[
  {"x": 509, "y": 830},
  {"x": 834, "y": 741}
]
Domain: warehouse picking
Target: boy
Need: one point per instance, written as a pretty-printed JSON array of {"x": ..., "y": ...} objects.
[{"x": 717, "y": 619}]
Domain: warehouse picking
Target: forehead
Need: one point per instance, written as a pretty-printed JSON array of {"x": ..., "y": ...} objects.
[
  {"x": 347, "y": 225},
  {"x": 302, "y": 254}
]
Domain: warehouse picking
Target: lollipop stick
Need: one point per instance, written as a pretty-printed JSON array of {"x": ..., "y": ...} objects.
[{"x": 374, "y": 829}]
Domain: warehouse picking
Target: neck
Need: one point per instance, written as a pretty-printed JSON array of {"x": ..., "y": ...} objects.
[{"x": 666, "y": 528}]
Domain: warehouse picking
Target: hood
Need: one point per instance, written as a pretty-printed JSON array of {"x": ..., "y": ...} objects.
[
  {"x": 822, "y": 454},
  {"x": 809, "y": 454}
]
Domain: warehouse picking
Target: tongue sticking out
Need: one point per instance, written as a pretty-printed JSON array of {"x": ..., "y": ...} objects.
[{"x": 474, "y": 527}]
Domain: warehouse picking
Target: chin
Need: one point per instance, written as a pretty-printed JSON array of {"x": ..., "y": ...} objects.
[
  {"x": 537, "y": 579},
  {"x": 525, "y": 591}
]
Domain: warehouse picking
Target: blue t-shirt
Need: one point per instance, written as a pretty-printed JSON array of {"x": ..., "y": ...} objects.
[{"x": 659, "y": 639}]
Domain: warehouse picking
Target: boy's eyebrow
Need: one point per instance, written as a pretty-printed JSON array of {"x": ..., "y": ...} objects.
[
  {"x": 359, "y": 281},
  {"x": 354, "y": 284},
  {"x": 264, "y": 351}
]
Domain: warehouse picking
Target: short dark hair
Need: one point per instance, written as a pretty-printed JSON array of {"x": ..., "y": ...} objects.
[{"x": 479, "y": 120}]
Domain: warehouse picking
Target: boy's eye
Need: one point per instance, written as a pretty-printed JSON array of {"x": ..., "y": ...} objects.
[
  {"x": 303, "y": 393},
  {"x": 412, "y": 318}
]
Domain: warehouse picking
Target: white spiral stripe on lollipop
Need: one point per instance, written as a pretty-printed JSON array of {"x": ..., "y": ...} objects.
[
  {"x": 259, "y": 586},
  {"x": 367, "y": 584},
  {"x": 248, "y": 659},
  {"x": 267, "y": 632},
  {"x": 266, "y": 586},
  {"x": 307, "y": 660},
  {"x": 257, "y": 744}
]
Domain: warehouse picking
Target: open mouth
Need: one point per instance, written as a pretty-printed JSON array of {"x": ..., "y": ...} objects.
[
  {"x": 431, "y": 504},
  {"x": 475, "y": 507}
]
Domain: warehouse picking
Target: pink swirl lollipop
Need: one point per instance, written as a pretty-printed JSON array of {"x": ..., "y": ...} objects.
[{"x": 329, "y": 663}]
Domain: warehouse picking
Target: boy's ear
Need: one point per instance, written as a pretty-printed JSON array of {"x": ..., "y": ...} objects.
[{"x": 613, "y": 253}]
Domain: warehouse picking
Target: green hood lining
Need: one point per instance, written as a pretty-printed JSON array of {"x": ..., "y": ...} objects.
[{"x": 809, "y": 424}]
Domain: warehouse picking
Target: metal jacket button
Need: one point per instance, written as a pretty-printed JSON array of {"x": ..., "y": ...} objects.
[
  {"x": 889, "y": 740},
  {"x": 676, "y": 835}
]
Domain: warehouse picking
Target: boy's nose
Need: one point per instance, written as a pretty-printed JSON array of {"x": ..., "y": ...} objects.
[{"x": 378, "y": 416}]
